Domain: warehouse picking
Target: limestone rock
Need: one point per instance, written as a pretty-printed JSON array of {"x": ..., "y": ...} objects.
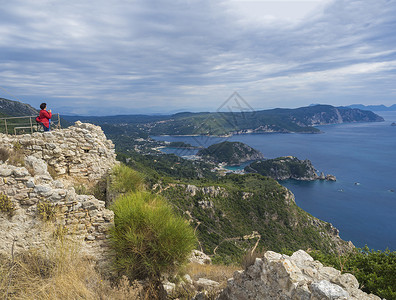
[
  {"x": 277, "y": 276},
  {"x": 38, "y": 166},
  {"x": 204, "y": 283},
  {"x": 168, "y": 286},
  {"x": 200, "y": 258},
  {"x": 328, "y": 291}
]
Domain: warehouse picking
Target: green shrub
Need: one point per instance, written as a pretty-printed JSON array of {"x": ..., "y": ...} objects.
[
  {"x": 375, "y": 270},
  {"x": 148, "y": 239},
  {"x": 46, "y": 210},
  {"x": 6, "y": 204},
  {"x": 125, "y": 179}
]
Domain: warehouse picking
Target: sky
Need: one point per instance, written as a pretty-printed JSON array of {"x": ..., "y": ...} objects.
[{"x": 161, "y": 56}]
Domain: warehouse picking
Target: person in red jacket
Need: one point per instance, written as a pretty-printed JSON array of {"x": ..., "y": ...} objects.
[{"x": 45, "y": 117}]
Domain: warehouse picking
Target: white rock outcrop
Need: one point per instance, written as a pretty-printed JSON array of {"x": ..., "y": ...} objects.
[
  {"x": 199, "y": 257},
  {"x": 296, "y": 277}
]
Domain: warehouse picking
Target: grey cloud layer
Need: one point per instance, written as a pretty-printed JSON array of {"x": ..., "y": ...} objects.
[{"x": 119, "y": 57}]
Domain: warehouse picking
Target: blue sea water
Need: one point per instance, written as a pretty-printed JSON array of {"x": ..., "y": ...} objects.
[{"x": 362, "y": 202}]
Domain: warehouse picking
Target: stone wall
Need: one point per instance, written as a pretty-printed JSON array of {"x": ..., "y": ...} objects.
[
  {"x": 296, "y": 277},
  {"x": 81, "y": 150},
  {"x": 81, "y": 216}
]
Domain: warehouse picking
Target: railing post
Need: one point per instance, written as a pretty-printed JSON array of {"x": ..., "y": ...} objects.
[
  {"x": 6, "y": 129},
  {"x": 31, "y": 124}
]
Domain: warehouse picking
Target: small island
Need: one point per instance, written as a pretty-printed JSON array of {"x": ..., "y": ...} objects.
[
  {"x": 230, "y": 153},
  {"x": 393, "y": 124}
]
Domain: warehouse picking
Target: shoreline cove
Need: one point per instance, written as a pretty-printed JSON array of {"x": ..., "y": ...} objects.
[{"x": 354, "y": 152}]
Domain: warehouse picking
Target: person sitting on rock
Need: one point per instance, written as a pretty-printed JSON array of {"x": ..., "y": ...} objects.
[{"x": 44, "y": 117}]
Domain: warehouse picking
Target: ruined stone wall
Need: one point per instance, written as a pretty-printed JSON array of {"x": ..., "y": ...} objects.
[
  {"x": 81, "y": 150},
  {"x": 36, "y": 198}
]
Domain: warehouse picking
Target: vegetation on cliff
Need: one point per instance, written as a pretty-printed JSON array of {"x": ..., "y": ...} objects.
[
  {"x": 227, "y": 209},
  {"x": 235, "y": 211},
  {"x": 282, "y": 168},
  {"x": 147, "y": 237},
  {"x": 374, "y": 269}
]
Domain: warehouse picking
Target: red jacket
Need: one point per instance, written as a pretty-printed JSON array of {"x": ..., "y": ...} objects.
[{"x": 44, "y": 116}]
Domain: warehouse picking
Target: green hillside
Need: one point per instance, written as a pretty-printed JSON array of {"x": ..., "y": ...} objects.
[{"x": 230, "y": 213}]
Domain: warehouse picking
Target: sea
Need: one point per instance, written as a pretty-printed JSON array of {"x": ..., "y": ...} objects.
[{"x": 362, "y": 156}]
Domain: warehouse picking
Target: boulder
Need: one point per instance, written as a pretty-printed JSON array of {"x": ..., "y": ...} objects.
[
  {"x": 277, "y": 276},
  {"x": 200, "y": 258}
]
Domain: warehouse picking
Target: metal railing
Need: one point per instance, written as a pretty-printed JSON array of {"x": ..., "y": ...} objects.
[{"x": 26, "y": 124}]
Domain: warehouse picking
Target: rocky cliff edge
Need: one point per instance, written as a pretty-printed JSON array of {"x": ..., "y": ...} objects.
[{"x": 296, "y": 277}]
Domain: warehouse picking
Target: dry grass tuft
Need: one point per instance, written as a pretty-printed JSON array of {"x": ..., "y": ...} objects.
[
  {"x": 4, "y": 154},
  {"x": 250, "y": 257},
  {"x": 51, "y": 170},
  {"x": 62, "y": 273},
  {"x": 219, "y": 273}
]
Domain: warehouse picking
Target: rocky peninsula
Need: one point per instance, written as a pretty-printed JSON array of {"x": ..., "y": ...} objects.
[
  {"x": 287, "y": 167},
  {"x": 230, "y": 153}
]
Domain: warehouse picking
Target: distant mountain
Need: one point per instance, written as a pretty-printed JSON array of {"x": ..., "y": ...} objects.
[
  {"x": 118, "y": 119},
  {"x": 225, "y": 123},
  {"x": 275, "y": 120},
  {"x": 374, "y": 107},
  {"x": 12, "y": 108}
]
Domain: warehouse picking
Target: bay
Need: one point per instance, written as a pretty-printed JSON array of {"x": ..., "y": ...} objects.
[{"x": 362, "y": 202}]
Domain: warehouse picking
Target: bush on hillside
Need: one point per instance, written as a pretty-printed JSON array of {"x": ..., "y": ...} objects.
[
  {"x": 375, "y": 270},
  {"x": 125, "y": 179},
  {"x": 148, "y": 239},
  {"x": 6, "y": 205}
]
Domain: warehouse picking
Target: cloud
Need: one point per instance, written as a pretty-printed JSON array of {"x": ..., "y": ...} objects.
[{"x": 101, "y": 57}]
